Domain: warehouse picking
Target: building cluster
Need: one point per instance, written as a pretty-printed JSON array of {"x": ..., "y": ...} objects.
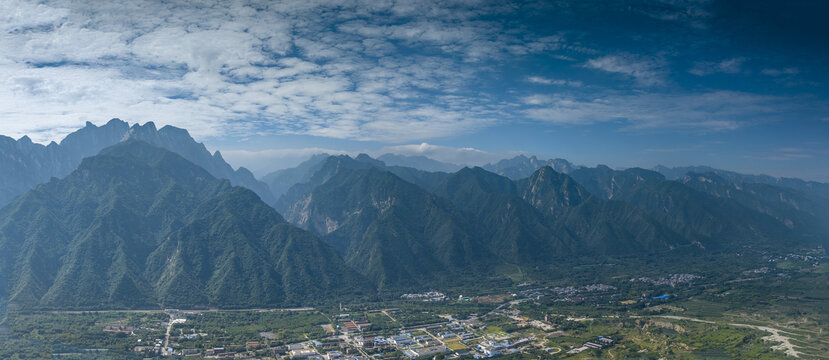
[
  {"x": 600, "y": 343},
  {"x": 572, "y": 290},
  {"x": 350, "y": 337},
  {"x": 425, "y": 351},
  {"x": 761, "y": 270},
  {"x": 353, "y": 326},
  {"x": 672, "y": 280},
  {"x": 153, "y": 347},
  {"x": 348, "y": 324},
  {"x": 452, "y": 336},
  {"x": 119, "y": 329},
  {"x": 412, "y": 345},
  {"x": 427, "y": 296},
  {"x": 490, "y": 348},
  {"x": 355, "y": 341},
  {"x": 328, "y": 349},
  {"x": 191, "y": 336}
]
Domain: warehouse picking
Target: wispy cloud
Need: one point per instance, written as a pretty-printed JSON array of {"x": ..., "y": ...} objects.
[
  {"x": 454, "y": 155},
  {"x": 547, "y": 81},
  {"x": 646, "y": 71},
  {"x": 702, "y": 112},
  {"x": 692, "y": 12},
  {"x": 231, "y": 67},
  {"x": 789, "y": 154},
  {"x": 727, "y": 66},
  {"x": 781, "y": 72},
  {"x": 704, "y": 146}
]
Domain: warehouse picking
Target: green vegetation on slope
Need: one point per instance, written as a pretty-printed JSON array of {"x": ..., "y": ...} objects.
[{"x": 137, "y": 226}]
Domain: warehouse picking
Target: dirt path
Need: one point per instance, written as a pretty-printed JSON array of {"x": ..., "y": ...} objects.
[
  {"x": 777, "y": 335},
  {"x": 389, "y": 315},
  {"x": 785, "y": 343}
]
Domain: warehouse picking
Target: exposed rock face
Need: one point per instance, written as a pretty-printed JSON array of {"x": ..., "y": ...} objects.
[
  {"x": 26, "y": 164},
  {"x": 179, "y": 141}
]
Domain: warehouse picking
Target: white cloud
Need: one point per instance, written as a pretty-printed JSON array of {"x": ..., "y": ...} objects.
[
  {"x": 647, "y": 71},
  {"x": 393, "y": 72},
  {"x": 21, "y": 15},
  {"x": 68, "y": 43},
  {"x": 547, "y": 81},
  {"x": 208, "y": 66},
  {"x": 210, "y": 50},
  {"x": 36, "y": 101}
]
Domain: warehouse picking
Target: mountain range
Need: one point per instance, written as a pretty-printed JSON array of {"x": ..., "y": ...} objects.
[
  {"x": 522, "y": 166},
  {"x": 152, "y": 219},
  {"x": 811, "y": 187},
  {"x": 27, "y": 164},
  {"x": 30, "y": 164},
  {"x": 418, "y": 162},
  {"x": 140, "y": 226}
]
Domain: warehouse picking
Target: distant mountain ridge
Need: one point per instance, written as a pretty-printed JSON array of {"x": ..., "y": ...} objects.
[
  {"x": 560, "y": 213},
  {"x": 30, "y": 164},
  {"x": 792, "y": 208},
  {"x": 548, "y": 215},
  {"x": 812, "y": 187},
  {"x": 608, "y": 183},
  {"x": 418, "y": 162},
  {"x": 26, "y": 164},
  {"x": 521, "y": 166},
  {"x": 371, "y": 215},
  {"x": 281, "y": 180},
  {"x": 318, "y": 171},
  {"x": 688, "y": 209}
]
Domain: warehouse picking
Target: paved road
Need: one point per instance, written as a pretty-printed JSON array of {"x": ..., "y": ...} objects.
[
  {"x": 173, "y": 320},
  {"x": 167, "y": 336}
]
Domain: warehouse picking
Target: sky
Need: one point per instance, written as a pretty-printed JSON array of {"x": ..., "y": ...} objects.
[{"x": 740, "y": 85}]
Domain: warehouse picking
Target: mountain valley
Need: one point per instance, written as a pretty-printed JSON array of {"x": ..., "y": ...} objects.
[{"x": 152, "y": 221}]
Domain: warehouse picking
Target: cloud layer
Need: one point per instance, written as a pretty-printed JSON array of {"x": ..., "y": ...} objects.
[{"x": 333, "y": 69}]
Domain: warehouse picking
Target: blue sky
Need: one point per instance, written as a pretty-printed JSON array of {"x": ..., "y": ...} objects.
[{"x": 740, "y": 85}]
